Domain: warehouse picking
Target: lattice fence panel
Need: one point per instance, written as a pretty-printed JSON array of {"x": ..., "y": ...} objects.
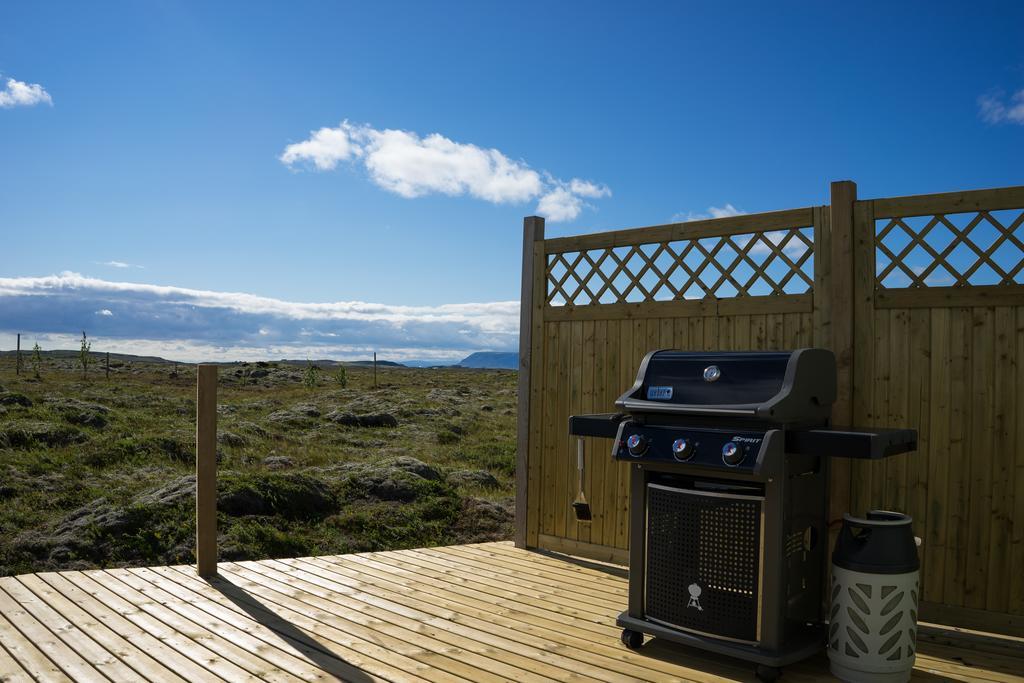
[
  {"x": 751, "y": 264},
  {"x": 950, "y": 250}
]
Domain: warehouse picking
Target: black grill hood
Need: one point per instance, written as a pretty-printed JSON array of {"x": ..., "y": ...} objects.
[{"x": 783, "y": 386}]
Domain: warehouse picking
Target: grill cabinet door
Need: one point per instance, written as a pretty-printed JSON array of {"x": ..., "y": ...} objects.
[{"x": 703, "y": 561}]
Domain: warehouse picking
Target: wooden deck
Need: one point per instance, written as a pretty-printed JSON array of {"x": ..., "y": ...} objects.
[{"x": 484, "y": 612}]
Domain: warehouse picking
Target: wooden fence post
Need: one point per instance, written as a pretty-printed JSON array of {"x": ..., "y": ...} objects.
[
  {"x": 206, "y": 470},
  {"x": 17, "y": 357},
  {"x": 533, "y": 232},
  {"x": 843, "y": 198}
]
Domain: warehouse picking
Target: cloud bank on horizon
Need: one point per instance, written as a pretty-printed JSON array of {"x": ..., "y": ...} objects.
[
  {"x": 411, "y": 166},
  {"x": 20, "y": 94},
  {"x": 193, "y": 325}
]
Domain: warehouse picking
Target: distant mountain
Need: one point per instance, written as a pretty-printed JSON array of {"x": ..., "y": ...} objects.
[
  {"x": 427, "y": 363},
  {"x": 26, "y": 353},
  {"x": 496, "y": 360},
  {"x": 380, "y": 363}
]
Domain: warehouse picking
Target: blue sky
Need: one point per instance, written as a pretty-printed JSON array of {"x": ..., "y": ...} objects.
[{"x": 160, "y": 140}]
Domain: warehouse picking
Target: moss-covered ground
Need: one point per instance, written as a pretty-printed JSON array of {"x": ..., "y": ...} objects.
[{"x": 98, "y": 472}]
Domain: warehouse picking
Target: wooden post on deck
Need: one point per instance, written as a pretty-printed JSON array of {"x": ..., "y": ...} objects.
[
  {"x": 206, "y": 470},
  {"x": 843, "y": 199},
  {"x": 533, "y": 232}
]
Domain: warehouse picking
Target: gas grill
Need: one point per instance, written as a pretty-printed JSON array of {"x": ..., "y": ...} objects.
[{"x": 729, "y": 461}]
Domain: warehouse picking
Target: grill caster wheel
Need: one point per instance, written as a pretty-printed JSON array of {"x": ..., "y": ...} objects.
[
  {"x": 768, "y": 673},
  {"x": 634, "y": 640}
]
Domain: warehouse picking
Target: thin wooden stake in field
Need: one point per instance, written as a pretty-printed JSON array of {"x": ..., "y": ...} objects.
[
  {"x": 17, "y": 357},
  {"x": 374, "y": 369},
  {"x": 108, "y": 366},
  {"x": 206, "y": 470}
]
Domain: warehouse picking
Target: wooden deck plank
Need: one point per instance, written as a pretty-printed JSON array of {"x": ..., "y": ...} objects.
[
  {"x": 375, "y": 661},
  {"x": 139, "y": 638},
  {"x": 531, "y": 623},
  {"x": 260, "y": 622},
  {"x": 10, "y": 670},
  {"x": 481, "y": 612},
  {"x": 599, "y": 647},
  {"x": 211, "y": 635},
  {"x": 66, "y": 659},
  {"x": 536, "y": 575},
  {"x": 537, "y": 564},
  {"x": 26, "y": 655},
  {"x": 286, "y": 667},
  {"x": 144, "y": 665},
  {"x": 398, "y": 646},
  {"x": 453, "y": 571},
  {"x": 200, "y": 651},
  {"x": 422, "y": 577},
  {"x": 475, "y": 635},
  {"x": 485, "y": 655},
  {"x": 77, "y": 636}
]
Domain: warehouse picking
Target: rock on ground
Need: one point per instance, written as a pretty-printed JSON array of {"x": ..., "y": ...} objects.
[
  {"x": 474, "y": 478},
  {"x": 369, "y": 420}
]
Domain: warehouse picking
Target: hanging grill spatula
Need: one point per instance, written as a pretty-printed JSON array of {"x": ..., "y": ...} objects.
[{"x": 580, "y": 506}]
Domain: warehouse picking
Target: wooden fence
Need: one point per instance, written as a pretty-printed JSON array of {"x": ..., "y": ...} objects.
[{"x": 922, "y": 300}]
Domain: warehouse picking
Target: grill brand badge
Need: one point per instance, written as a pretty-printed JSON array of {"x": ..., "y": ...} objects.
[
  {"x": 659, "y": 393},
  {"x": 694, "y": 597}
]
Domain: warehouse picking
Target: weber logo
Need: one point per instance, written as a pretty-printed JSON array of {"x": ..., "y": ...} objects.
[
  {"x": 659, "y": 393},
  {"x": 695, "y": 592}
]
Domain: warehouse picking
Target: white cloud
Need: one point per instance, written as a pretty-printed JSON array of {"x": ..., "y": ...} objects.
[
  {"x": 712, "y": 212},
  {"x": 412, "y": 166},
  {"x": 995, "y": 108},
  {"x": 19, "y": 94},
  {"x": 560, "y": 205},
  {"x": 105, "y": 312},
  {"x": 118, "y": 264},
  {"x": 325, "y": 148}
]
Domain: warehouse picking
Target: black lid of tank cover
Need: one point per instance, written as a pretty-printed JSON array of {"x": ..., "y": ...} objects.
[{"x": 883, "y": 543}]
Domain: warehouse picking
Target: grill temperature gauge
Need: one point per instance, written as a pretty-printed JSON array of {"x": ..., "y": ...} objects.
[
  {"x": 682, "y": 449},
  {"x": 636, "y": 444},
  {"x": 733, "y": 453}
]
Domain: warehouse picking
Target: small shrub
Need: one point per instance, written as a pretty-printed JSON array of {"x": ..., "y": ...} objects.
[
  {"x": 83, "y": 354},
  {"x": 312, "y": 375},
  {"x": 341, "y": 377},
  {"x": 36, "y": 361}
]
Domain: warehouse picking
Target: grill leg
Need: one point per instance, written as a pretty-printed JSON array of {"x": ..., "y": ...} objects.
[{"x": 768, "y": 673}]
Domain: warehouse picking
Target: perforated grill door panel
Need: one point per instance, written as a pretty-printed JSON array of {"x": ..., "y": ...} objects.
[{"x": 703, "y": 561}]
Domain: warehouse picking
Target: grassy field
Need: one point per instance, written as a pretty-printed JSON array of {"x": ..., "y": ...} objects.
[{"x": 97, "y": 472}]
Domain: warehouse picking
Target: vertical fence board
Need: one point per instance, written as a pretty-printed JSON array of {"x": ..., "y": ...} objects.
[
  {"x": 934, "y": 548},
  {"x": 552, "y": 434},
  {"x": 611, "y": 483},
  {"x": 1003, "y": 453},
  {"x": 918, "y": 413},
  {"x": 588, "y": 405},
  {"x": 1017, "y": 539},
  {"x": 597, "y": 455},
  {"x": 896, "y": 408},
  {"x": 981, "y": 404},
  {"x": 956, "y": 496}
]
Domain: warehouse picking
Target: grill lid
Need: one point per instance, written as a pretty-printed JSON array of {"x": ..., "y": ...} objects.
[{"x": 784, "y": 386}]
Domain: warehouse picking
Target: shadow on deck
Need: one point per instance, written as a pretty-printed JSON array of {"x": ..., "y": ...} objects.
[{"x": 486, "y": 612}]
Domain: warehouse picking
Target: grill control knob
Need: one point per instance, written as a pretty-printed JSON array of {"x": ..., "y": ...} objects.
[
  {"x": 682, "y": 449},
  {"x": 637, "y": 445},
  {"x": 733, "y": 454}
]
